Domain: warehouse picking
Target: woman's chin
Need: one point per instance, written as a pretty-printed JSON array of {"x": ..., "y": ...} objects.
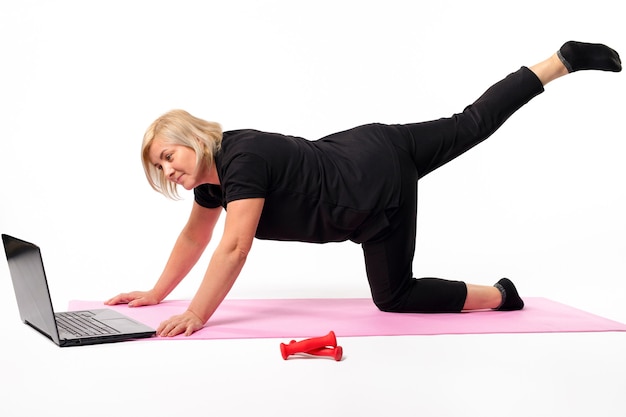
[{"x": 188, "y": 184}]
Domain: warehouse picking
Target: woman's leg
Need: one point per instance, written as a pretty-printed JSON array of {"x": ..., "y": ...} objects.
[
  {"x": 481, "y": 297},
  {"x": 422, "y": 147},
  {"x": 571, "y": 57},
  {"x": 437, "y": 142},
  {"x": 549, "y": 70},
  {"x": 501, "y": 296},
  {"x": 389, "y": 263},
  {"x": 431, "y": 144},
  {"x": 389, "y": 260}
]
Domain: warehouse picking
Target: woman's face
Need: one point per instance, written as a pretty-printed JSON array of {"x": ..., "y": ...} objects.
[{"x": 177, "y": 162}]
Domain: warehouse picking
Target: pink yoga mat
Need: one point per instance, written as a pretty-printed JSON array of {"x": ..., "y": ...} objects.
[{"x": 303, "y": 318}]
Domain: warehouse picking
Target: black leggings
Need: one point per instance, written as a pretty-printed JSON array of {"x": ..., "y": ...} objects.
[{"x": 421, "y": 148}]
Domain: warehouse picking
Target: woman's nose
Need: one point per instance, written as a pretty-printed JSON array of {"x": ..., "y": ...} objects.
[{"x": 168, "y": 170}]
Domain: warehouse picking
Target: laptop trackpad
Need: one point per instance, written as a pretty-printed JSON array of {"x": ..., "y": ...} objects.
[
  {"x": 117, "y": 320},
  {"x": 119, "y": 323}
]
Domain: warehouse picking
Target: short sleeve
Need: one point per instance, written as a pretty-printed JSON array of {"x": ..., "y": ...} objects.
[
  {"x": 208, "y": 195},
  {"x": 246, "y": 175}
]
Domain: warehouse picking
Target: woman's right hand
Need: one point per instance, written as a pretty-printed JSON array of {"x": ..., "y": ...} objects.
[{"x": 134, "y": 299}]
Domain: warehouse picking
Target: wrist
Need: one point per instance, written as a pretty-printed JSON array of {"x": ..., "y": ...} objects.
[
  {"x": 196, "y": 315},
  {"x": 158, "y": 294}
]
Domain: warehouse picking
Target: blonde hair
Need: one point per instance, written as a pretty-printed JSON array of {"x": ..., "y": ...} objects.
[{"x": 178, "y": 127}]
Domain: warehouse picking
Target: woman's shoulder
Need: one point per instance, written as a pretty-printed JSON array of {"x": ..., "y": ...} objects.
[
  {"x": 252, "y": 139},
  {"x": 254, "y": 134}
]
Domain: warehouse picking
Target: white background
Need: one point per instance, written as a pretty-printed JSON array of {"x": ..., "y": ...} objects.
[{"x": 541, "y": 202}]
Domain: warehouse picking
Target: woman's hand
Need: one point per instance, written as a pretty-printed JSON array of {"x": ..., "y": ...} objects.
[
  {"x": 187, "y": 322},
  {"x": 134, "y": 299}
]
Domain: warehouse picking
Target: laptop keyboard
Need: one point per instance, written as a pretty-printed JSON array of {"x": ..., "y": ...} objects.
[{"x": 82, "y": 324}]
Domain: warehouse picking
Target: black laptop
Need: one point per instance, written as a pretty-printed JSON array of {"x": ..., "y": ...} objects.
[{"x": 72, "y": 328}]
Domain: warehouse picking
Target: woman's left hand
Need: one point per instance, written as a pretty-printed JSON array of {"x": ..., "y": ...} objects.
[{"x": 186, "y": 323}]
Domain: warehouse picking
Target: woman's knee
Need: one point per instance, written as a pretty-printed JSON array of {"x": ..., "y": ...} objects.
[
  {"x": 389, "y": 304},
  {"x": 424, "y": 295}
]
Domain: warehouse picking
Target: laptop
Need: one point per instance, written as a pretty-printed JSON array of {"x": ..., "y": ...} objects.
[{"x": 71, "y": 328}]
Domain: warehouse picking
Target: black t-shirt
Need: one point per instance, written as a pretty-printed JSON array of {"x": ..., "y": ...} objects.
[{"x": 329, "y": 190}]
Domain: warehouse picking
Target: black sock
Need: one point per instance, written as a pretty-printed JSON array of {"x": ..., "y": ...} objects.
[
  {"x": 510, "y": 298},
  {"x": 578, "y": 56}
]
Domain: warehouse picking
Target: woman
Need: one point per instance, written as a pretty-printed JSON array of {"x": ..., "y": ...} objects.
[{"x": 358, "y": 185}]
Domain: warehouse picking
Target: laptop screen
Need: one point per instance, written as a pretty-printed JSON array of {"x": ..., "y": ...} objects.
[{"x": 30, "y": 285}]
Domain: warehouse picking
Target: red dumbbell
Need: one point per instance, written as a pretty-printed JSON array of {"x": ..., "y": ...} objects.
[
  {"x": 334, "y": 352},
  {"x": 318, "y": 346}
]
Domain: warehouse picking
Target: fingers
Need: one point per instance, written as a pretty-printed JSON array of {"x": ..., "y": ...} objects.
[
  {"x": 133, "y": 299},
  {"x": 123, "y": 298},
  {"x": 169, "y": 329},
  {"x": 185, "y": 323},
  {"x": 139, "y": 302}
]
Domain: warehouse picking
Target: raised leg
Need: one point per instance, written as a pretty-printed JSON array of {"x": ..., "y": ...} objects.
[{"x": 432, "y": 144}]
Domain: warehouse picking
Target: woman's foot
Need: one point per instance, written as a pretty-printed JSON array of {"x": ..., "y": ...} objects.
[
  {"x": 510, "y": 298},
  {"x": 577, "y": 56}
]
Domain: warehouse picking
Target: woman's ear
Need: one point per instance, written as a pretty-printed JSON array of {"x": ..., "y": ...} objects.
[{"x": 205, "y": 149}]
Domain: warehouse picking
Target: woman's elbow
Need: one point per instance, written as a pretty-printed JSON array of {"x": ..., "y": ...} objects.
[
  {"x": 239, "y": 251},
  {"x": 242, "y": 252}
]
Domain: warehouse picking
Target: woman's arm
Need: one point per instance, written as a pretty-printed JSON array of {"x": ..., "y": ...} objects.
[
  {"x": 189, "y": 246},
  {"x": 242, "y": 219}
]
